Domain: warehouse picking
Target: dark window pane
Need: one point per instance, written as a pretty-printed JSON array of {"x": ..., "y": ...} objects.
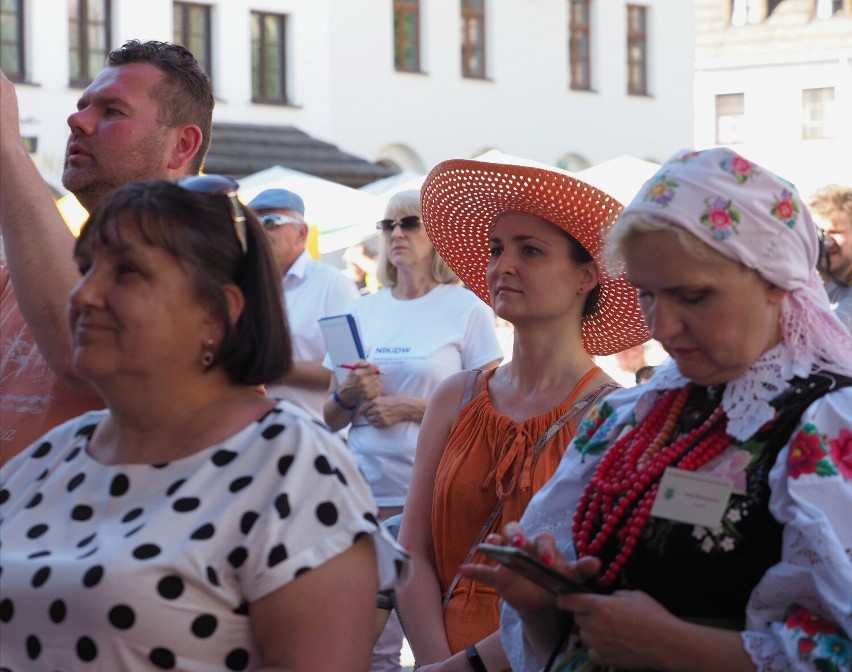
[
  {"x": 637, "y": 40},
  {"x": 579, "y": 47},
  {"x": 12, "y": 39},
  {"x": 88, "y": 38},
  {"x": 406, "y": 27},
  {"x": 192, "y": 29},
  {"x": 473, "y": 38},
  {"x": 268, "y": 57}
]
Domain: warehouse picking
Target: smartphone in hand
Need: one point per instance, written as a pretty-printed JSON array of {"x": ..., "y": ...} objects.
[{"x": 533, "y": 569}]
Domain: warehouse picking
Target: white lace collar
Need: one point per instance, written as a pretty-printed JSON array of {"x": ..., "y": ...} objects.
[{"x": 745, "y": 400}]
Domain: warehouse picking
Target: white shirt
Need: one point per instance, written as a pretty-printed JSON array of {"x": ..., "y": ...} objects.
[{"x": 312, "y": 290}]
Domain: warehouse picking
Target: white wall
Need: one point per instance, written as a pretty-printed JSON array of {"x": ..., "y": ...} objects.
[
  {"x": 525, "y": 107},
  {"x": 345, "y": 90},
  {"x": 773, "y": 116}
]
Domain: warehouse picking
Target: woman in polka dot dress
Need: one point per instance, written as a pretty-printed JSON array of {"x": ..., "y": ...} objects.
[{"x": 167, "y": 531}]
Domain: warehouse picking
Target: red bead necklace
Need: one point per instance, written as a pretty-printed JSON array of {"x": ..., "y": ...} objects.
[{"x": 618, "y": 498}]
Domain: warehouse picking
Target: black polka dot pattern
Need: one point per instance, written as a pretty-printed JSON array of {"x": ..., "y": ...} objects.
[
  {"x": 206, "y": 531},
  {"x": 204, "y": 626},
  {"x": 122, "y": 617},
  {"x": 119, "y": 486},
  {"x": 57, "y": 611},
  {"x": 93, "y": 576},
  {"x": 166, "y": 559}
]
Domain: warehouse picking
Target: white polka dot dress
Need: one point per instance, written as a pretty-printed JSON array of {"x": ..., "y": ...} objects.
[{"x": 153, "y": 567}]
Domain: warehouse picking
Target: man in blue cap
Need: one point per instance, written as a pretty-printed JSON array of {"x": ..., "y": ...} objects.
[{"x": 311, "y": 290}]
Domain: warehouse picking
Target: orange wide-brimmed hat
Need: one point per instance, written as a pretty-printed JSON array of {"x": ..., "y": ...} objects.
[{"x": 461, "y": 199}]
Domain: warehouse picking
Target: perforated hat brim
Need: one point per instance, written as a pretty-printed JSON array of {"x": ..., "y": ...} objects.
[{"x": 462, "y": 198}]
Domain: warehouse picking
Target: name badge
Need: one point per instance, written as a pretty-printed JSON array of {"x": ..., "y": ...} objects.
[{"x": 692, "y": 497}]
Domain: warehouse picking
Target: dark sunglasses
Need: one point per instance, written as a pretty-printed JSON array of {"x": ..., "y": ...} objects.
[
  {"x": 221, "y": 185},
  {"x": 409, "y": 223}
]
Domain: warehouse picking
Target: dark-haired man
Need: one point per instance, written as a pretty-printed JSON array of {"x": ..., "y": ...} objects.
[{"x": 146, "y": 115}]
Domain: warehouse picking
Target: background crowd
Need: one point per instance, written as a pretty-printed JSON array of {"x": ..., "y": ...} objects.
[{"x": 186, "y": 484}]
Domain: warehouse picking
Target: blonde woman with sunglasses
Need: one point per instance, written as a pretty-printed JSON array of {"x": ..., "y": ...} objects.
[{"x": 420, "y": 328}]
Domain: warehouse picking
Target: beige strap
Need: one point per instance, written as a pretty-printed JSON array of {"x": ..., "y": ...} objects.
[{"x": 469, "y": 387}]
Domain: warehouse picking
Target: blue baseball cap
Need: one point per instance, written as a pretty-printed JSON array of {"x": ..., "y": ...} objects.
[{"x": 278, "y": 199}]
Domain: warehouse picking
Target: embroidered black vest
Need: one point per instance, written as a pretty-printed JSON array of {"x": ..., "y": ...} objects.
[{"x": 698, "y": 573}]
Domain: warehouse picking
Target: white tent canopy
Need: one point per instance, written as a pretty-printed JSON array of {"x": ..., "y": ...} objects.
[
  {"x": 621, "y": 177},
  {"x": 343, "y": 216},
  {"x": 388, "y": 186}
]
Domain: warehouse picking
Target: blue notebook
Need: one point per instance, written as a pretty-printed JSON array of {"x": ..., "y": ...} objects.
[{"x": 342, "y": 341}]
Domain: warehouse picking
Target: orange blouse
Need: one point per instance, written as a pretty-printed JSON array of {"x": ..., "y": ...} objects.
[{"x": 488, "y": 455}]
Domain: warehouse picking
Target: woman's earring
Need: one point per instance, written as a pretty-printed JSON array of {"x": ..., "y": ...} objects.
[{"x": 207, "y": 357}]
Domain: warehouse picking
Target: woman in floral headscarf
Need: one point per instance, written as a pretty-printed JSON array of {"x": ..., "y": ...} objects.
[{"x": 711, "y": 504}]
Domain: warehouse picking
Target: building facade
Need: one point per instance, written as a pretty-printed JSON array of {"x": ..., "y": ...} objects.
[
  {"x": 773, "y": 80},
  {"x": 406, "y": 83}
]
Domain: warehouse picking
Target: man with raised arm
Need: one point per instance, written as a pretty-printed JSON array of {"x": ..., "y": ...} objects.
[{"x": 146, "y": 115}]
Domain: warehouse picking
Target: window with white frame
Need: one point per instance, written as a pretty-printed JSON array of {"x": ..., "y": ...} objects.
[
  {"x": 268, "y": 57},
  {"x": 12, "y": 39},
  {"x": 817, "y": 113},
  {"x": 730, "y": 118},
  {"x": 406, "y": 35},
  {"x": 751, "y": 11},
  {"x": 826, "y": 9},
  {"x": 88, "y": 39},
  {"x": 637, "y": 50},
  {"x": 473, "y": 38},
  {"x": 579, "y": 44},
  {"x": 192, "y": 30}
]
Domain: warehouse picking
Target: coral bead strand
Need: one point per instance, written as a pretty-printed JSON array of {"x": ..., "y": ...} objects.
[{"x": 619, "y": 497}]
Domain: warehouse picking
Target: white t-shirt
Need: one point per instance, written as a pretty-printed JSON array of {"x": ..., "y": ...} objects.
[
  {"x": 312, "y": 290},
  {"x": 416, "y": 343}
]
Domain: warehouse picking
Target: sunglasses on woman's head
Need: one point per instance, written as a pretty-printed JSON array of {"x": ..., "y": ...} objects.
[
  {"x": 221, "y": 185},
  {"x": 409, "y": 223}
]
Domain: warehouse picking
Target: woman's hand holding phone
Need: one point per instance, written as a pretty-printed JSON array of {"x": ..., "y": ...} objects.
[
  {"x": 532, "y": 568},
  {"x": 527, "y": 597}
]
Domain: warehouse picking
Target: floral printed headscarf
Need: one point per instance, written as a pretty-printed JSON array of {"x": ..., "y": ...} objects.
[{"x": 757, "y": 219}]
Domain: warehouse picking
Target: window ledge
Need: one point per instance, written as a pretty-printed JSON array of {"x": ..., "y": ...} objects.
[{"x": 275, "y": 102}]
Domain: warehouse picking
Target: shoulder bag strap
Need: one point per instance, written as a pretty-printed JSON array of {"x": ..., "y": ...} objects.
[
  {"x": 590, "y": 398},
  {"x": 470, "y": 387}
]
